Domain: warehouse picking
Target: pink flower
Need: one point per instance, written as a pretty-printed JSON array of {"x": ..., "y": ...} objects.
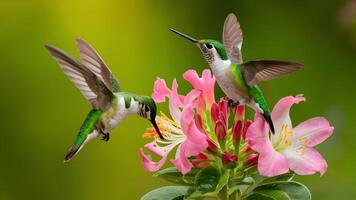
[
  {"x": 289, "y": 148},
  {"x": 181, "y": 131},
  {"x": 205, "y": 85}
]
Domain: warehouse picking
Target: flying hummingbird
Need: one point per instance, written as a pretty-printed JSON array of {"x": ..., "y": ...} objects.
[
  {"x": 237, "y": 79},
  {"x": 99, "y": 86}
]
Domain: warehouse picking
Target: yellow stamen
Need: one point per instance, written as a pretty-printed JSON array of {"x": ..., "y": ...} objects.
[
  {"x": 169, "y": 120},
  {"x": 151, "y": 131}
]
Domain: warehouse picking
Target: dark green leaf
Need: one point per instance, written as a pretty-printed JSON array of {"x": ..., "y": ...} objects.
[
  {"x": 259, "y": 180},
  {"x": 283, "y": 177},
  {"x": 263, "y": 179},
  {"x": 172, "y": 174},
  {"x": 166, "y": 193},
  {"x": 205, "y": 183},
  {"x": 282, "y": 190},
  {"x": 273, "y": 194},
  {"x": 258, "y": 196}
]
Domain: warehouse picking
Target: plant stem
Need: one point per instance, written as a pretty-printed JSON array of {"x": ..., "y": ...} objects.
[{"x": 223, "y": 195}]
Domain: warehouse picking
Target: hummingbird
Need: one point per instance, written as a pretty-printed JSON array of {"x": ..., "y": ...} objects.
[
  {"x": 99, "y": 86},
  {"x": 238, "y": 80}
]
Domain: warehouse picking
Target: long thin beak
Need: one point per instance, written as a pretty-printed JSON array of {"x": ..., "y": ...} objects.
[
  {"x": 184, "y": 35},
  {"x": 157, "y": 129}
]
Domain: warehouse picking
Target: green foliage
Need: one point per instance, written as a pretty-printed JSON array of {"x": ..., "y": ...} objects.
[
  {"x": 172, "y": 175},
  {"x": 166, "y": 193},
  {"x": 215, "y": 184},
  {"x": 280, "y": 190},
  {"x": 206, "y": 181}
]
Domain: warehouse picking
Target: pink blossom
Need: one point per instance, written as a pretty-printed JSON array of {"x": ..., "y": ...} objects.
[
  {"x": 205, "y": 85},
  {"x": 181, "y": 131},
  {"x": 289, "y": 148}
]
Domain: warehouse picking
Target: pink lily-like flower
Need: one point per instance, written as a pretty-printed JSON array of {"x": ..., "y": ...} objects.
[
  {"x": 181, "y": 131},
  {"x": 289, "y": 148},
  {"x": 205, "y": 85}
]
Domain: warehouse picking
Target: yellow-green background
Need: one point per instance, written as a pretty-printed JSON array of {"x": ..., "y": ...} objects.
[{"x": 41, "y": 111}]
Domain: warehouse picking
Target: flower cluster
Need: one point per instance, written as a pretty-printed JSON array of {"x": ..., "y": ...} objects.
[{"x": 212, "y": 135}]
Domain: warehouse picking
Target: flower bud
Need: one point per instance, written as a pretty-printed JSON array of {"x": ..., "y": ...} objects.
[
  {"x": 251, "y": 160},
  {"x": 239, "y": 113},
  {"x": 199, "y": 123},
  {"x": 247, "y": 124},
  {"x": 224, "y": 109},
  {"x": 248, "y": 149},
  {"x": 229, "y": 160},
  {"x": 212, "y": 146},
  {"x": 200, "y": 161},
  {"x": 237, "y": 131},
  {"x": 220, "y": 130},
  {"x": 214, "y": 112}
]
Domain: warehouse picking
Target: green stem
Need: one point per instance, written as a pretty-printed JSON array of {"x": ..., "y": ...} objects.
[{"x": 224, "y": 193}]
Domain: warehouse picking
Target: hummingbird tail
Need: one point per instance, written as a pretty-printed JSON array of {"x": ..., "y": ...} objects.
[
  {"x": 74, "y": 150},
  {"x": 268, "y": 119},
  {"x": 87, "y": 132}
]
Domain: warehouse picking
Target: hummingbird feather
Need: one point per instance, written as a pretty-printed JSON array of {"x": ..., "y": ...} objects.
[
  {"x": 262, "y": 70},
  {"x": 92, "y": 60},
  {"x": 92, "y": 88},
  {"x": 232, "y": 38},
  {"x": 87, "y": 132}
]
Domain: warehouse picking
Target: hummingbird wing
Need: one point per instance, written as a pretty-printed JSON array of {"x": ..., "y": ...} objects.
[
  {"x": 86, "y": 81},
  {"x": 232, "y": 38},
  {"x": 92, "y": 60},
  {"x": 262, "y": 70}
]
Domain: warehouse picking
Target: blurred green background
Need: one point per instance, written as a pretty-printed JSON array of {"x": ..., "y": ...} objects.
[{"x": 41, "y": 110}]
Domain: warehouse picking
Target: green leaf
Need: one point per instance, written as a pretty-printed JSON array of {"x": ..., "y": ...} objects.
[
  {"x": 205, "y": 183},
  {"x": 166, "y": 193},
  {"x": 282, "y": 190},
  {"x": 172, "y": 175},
  {"x": 258, "y": 196},
  {"x": 283, "y": 177},
  {"x": 263, "y": 179},
  {"x": 259, "y": 180},
  {"x": 271, "y": 194}
]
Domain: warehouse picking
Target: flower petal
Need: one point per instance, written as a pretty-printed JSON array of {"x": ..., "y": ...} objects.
[
  {"x": 208, "y": 87},
  {"x": 205, "y": 84},
  {"x": 257, "y": 135},
  {"x": 181, "y": 162},
  {"x": 175, "y": 102},
  {"x": 193, "y": 78},
  {"x": 312, "y": 132},
  {"x": 160, "y": 90},
  {"x": 280, "y": 112},
  {"x": 195, "y": 143},
  {"x": 190, "y": 129},
  {"x": 305, "y": 162},
  {"x": 270, "y": 162},
  {"x": 163, "y": 152}
]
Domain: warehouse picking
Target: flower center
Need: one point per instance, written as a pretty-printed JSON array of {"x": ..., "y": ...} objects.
[
  {"x": 283, "y": 140},
  {"x": 167, "y": 126}
]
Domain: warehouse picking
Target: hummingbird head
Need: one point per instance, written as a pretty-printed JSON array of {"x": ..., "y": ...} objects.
[
  {"x": 212, "y": 50},
  {"x": 148, "y": 110}
]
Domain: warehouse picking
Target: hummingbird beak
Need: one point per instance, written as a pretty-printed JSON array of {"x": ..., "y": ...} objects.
[
  {"x": 184, "y": 35},
  {"x": 157, "y": 129}
]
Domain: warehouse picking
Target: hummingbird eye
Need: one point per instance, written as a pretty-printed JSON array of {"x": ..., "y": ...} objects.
[
  {"x": 209, "y": 46},
  {"x": 147, "y": 108}
]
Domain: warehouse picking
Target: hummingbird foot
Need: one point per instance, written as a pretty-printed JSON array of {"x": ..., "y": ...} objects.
[
  {"x": 106, "y": 137},
  {"x": 233, "y": 103}
]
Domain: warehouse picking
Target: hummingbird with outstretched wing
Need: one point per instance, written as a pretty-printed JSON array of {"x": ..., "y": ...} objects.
[
  {"x": 99, "y": 86},
  {"x": 237, "y": 79}
]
